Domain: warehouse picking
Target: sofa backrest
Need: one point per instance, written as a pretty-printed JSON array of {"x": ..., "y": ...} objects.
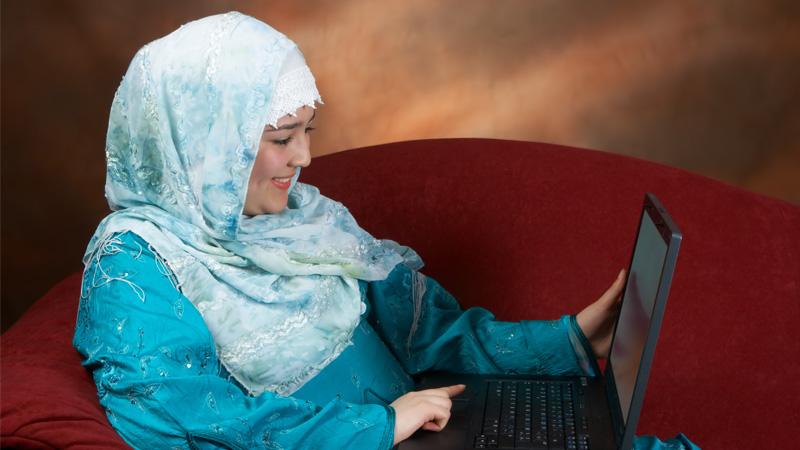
[
  {"x": 530, "y": 231},
  {"x": 533, "y": 231}
]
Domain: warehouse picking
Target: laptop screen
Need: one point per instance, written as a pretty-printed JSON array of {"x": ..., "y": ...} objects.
[{"x": 637, "y": 309}]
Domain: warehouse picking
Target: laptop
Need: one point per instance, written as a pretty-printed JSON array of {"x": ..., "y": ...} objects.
[{"x": 524, "y": 411}]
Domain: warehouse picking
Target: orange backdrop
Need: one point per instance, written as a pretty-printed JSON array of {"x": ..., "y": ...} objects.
[{"x": 709, "y": 86}]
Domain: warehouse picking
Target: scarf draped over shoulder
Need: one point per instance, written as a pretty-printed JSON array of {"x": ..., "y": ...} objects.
[{"x": 279, "y": 292}]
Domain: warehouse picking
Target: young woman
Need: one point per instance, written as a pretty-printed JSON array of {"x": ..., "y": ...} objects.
[{"x": 225, "y": 304}]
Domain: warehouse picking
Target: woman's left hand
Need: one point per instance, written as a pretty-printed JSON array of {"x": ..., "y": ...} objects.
[{"x": 597, "y": 320}]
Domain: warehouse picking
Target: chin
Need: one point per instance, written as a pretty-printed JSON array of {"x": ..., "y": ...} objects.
[
  {"x": 265, "y": 210},
  {"x": 275, "y": 209},
  {"x": 266, "y": 205}
]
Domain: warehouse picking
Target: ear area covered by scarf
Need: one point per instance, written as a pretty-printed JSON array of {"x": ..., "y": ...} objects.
[{"x": 279, "y": 292}]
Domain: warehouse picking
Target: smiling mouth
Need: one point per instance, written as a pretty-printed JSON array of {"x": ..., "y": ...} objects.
[{"x": 282, "y": 183}]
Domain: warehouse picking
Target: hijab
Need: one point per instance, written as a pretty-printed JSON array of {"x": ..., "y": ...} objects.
[{"x": 278, "y": 292}]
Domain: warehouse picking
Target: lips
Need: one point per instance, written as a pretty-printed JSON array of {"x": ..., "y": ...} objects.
[{"x": 282, "y": 182}]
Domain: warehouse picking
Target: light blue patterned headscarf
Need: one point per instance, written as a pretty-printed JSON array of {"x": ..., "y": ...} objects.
[{"x": 279, "y": 292}]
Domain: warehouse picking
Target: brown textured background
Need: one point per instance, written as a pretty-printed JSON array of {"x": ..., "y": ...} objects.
[{"x": 709, "y": 86}]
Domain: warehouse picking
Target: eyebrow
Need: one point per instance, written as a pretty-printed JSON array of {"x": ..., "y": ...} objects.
[{"x": 291, "y": 126}]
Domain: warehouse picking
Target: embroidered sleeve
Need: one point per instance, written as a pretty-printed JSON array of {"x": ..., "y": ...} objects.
[
  {"x": 426, "y": 329},
  {"x": 159, "y": 379}
]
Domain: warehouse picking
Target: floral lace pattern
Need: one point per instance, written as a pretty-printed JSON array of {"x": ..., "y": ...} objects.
[
  {"x": 296, "y": 88},
  {"x": 278, "y": 292}
]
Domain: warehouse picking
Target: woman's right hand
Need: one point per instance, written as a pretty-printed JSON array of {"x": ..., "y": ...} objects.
[{"x": 428, "y": 409}]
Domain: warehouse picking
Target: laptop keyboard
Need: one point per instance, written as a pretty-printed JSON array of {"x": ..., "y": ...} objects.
[{"x": 533, "y": 415}]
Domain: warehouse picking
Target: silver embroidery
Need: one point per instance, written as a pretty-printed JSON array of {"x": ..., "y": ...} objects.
[{"x": 418, "y": 291}]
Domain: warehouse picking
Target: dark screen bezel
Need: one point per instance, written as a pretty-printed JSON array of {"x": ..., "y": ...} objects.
[{"x": 624, "y": 430}]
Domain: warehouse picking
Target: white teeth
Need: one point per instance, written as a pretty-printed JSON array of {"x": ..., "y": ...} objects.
[{"x": 282, "y": 180}]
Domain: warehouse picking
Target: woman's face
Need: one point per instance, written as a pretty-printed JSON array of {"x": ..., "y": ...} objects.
[{"x": 281, "y": 151}]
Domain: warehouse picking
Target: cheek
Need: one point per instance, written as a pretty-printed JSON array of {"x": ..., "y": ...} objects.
[{"x": 267, "y": 165}]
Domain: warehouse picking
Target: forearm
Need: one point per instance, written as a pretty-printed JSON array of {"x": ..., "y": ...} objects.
[{"x": 427, "y": 330}]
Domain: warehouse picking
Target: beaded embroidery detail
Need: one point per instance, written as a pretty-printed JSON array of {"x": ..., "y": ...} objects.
[{"x": 278, "y": 292}]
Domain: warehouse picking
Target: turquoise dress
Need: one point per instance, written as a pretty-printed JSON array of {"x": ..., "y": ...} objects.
[{"x": 161, "y": 383}]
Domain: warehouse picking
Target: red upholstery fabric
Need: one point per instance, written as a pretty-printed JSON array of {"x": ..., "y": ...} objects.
[
  {"x": 48, "y": 399},
  {"x": 529, "y": 231}
]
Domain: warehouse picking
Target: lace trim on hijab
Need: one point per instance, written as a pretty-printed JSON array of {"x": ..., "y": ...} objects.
[
  {"x": 255, "y": 280},
  {"x": 295, "y": 89}
]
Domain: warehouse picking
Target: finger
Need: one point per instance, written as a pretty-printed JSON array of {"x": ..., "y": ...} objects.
[
  {"x": 612, "y": 293},
  {"x": 443, "y": 402},
  {"x": 434, "y": 417},
  {"x": 430, "y": 426},
  {"x": 445, "y": 391},
  {"x": 454, "y": 390},
  {"x": 620, "y": 278},
  {"x": 435, "y": 392},
  {"x": 442, "y": 416}
]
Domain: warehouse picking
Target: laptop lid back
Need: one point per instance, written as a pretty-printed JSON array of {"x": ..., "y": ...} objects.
[{"x": 639, "y": 322}]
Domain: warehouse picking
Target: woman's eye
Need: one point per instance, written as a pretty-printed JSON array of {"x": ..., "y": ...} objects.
[{"x": 286, "y": 141}]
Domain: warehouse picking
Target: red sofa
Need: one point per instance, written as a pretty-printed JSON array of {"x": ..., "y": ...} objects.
[{"x": 529, "y": 231}]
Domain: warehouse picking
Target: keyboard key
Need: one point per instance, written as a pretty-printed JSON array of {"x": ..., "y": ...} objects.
[{"x": 533, "y": 415}]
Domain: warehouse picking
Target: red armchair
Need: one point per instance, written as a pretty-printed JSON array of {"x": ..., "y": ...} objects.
[{"x": 529, "y": 231}]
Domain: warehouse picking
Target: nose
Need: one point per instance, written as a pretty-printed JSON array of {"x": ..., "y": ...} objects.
[{"x": 302, "y": 154}]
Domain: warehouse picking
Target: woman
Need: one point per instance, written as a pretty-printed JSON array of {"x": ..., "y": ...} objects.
[{"x": 224, "y": 304}]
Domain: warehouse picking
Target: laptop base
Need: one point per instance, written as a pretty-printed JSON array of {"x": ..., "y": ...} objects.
[{"x": 474, "y": 424}]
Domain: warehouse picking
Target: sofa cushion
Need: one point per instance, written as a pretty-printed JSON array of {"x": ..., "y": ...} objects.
[{"x": 48, "y": 399}]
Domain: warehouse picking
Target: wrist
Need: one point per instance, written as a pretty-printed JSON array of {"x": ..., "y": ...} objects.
[{"x": 584, "y": 343}]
